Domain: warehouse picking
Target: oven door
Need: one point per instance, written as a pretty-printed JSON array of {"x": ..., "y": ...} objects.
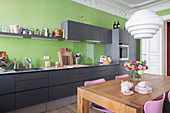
[{"x": 124, "y": 52}]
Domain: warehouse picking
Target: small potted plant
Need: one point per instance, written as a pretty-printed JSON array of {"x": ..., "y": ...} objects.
[{"x": 137, "y": 68}]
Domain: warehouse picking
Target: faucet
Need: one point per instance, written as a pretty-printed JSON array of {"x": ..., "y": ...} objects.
[{"x": 29, "y": 61}]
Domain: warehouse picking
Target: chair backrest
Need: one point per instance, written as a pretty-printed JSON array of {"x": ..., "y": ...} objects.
[
  {"x": 154, "y": 106},
  {"x": 94, "y": 81},
  {"x": 122, "y": 76},
  {"x": 169, "y": 96}
]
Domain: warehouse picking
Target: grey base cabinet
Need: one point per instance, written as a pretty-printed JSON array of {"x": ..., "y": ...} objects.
[
  {"x": 76, "y": 85},
  {"x": 31, "y": 97},
  {"x": 27, "y": 89},
  {"x": 6, "y": 103},
  {"x": 60, "y": 91},
  {"x": 6, "y": 84}
]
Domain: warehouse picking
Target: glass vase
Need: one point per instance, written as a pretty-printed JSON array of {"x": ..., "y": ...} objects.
[{"x": 136, "y": 76}]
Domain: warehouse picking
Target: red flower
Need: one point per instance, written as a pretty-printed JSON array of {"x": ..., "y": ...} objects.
[{"x": 134, "y": 61}]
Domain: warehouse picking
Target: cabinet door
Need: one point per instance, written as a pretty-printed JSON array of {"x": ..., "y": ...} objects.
[
  {"x": 76, "y": 31},
  {"x": 112, "y": 77},
  {"x": 31, "y": 97},
  {"x": 75, "y": 85},
  {"x": 82, "y": 74},
  {"x": 31, "y": 84},
  {"x": 112, "y": 70},
  {"x": 123, "y": 36},
  {"x": 92, "y": 33},
  {"x": 30, "y": 76},
  {"x": 106, "y": 36},
  {"x": 60, "y": 77},
  {"x": 60, "y": 91},
  {"x": 6, "y": 103},
  {"x": 6, "y": 84}
]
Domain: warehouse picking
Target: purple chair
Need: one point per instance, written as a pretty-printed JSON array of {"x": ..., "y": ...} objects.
[
  {"x": 122, "y": 76},
  {"x": 93, "y": 105},
  {"x": 154, "y": 106}
]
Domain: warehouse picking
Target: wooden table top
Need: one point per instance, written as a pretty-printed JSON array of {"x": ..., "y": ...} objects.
[{"x": 111, "y": 90}]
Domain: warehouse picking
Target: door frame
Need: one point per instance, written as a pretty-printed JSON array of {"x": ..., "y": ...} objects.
[{"x": 166, "y": 19}]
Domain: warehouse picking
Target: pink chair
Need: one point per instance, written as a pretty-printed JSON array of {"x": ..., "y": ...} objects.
[
  {"x": 95, "y": 106},
  {"x": 154, "y": 106},
  {"x": 122, "y": 76}
]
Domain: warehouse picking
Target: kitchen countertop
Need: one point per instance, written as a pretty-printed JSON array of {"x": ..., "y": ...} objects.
[{"x": 53, "y": 68}]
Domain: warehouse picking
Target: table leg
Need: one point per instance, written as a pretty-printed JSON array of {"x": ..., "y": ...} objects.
[{"x": 82, "y": 104}]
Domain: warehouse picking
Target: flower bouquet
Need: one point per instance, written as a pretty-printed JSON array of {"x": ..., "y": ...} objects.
[{"x": 137, "y": 68}]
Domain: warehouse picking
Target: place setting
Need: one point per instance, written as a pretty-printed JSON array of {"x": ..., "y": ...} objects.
[{"x": 128, "y": 88}]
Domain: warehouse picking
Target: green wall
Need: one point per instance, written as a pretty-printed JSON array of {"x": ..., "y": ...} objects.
[
  {"x": 163, "y": 12},
  {"x": 50, "y": 13}
]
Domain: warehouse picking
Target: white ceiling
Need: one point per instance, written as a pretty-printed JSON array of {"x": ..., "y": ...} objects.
[{"x": 125, "y": 8}]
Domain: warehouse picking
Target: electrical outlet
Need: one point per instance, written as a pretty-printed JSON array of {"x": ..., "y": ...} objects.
[{"x": 46, "y": 57}]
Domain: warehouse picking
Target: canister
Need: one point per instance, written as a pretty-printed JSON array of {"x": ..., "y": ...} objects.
[{"x": 47, "y": 64}]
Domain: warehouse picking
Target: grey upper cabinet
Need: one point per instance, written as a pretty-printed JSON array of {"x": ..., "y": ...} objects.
[
  {"x": 123, "y": 36},
  {"x": 76, "y": 31},
  {"x": 73, "y": 30},
  {"x": 106, "y": 36},
  {"x": 134, "y": 48},
  {"x": 6, "y": 84},
  {"x": 92, "y": 33}
]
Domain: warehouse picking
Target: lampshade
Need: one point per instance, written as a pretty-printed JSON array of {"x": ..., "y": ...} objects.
[{"x": 143, "y": 24}]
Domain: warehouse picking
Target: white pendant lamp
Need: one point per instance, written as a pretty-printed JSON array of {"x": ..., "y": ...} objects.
[{"x": 143, "y": 24}]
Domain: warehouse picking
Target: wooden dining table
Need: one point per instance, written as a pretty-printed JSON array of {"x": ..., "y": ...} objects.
[{"x": 107, "y": 94}]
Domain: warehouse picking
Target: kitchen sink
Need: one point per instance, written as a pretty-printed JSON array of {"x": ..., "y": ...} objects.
[{"x": 28, "y": 69}]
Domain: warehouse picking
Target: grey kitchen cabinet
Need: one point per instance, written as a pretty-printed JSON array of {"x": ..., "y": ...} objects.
[
  {"x": 123, "y": 36},
  {"x": 6, "y": 103},
  {"x": 111, "y": 77},
  {"x": 100, "y": 72},
  {"x": 76, "y": 31},
  {"x": 82, "y": 74},
  {"x": 112, "y": 49},
  {"x": 105, "y": 36},
  {"x": 73, "y": 30},
  {"x": 30, "y": 76},
  {"x": 60, "y": 77},
  {"x": 134, "y": 45},
  {"x": 77, "y": 84},
  {"x": 92, "y": 33},
  {"x": 31, "y": 97},
  {"x": 31, "y": 84},
  {"x": 6, "y": 84},
  {"x": 60, "y": 91}
]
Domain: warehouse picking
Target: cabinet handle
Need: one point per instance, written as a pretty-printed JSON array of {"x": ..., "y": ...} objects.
[{"x": 93, "y": 41}]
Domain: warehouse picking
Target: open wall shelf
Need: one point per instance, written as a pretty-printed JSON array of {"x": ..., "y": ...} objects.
[{"x": 4, "y": 34}]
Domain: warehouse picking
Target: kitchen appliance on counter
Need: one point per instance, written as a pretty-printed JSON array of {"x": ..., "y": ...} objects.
[
  {"x": 65, "y": 57},
  {"x": 77, "y": 58},
  {"x": 123, "y": 52}
]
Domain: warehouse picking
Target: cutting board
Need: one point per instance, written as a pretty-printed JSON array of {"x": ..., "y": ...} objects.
[
  {"x": 65, "y": 57},
  {"x": 76, "y": 66},
  {"x": 3, "y": 54}
]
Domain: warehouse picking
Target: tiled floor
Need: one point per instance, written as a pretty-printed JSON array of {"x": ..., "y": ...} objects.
[{"x": 72, "y": 108}]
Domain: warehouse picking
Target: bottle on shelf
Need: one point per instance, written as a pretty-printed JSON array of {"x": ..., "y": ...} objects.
[
  {"x": 114, "y": 25},
  {"x": 118, "y": 25}
]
